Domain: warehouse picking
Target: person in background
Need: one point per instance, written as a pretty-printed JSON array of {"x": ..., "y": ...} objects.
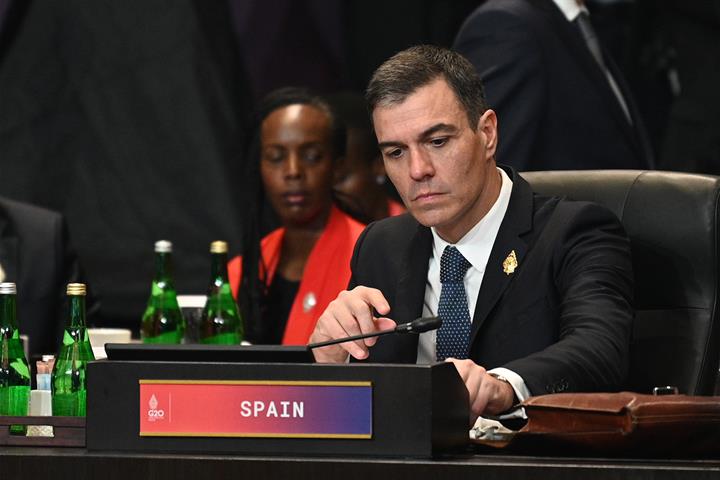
[
  {"x": 284, "y": 281},
  {"x": 35, "y": 254},
  {"x": 362, "y": 183},
  {"x": 563, "y": 102}
]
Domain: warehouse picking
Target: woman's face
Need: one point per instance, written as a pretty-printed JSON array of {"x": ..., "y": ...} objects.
[
  {"x": 357, "y": 175},
  {"x": 296, "y": 164}
]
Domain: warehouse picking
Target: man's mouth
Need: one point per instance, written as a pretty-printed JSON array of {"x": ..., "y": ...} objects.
[{"x": 426, "y": 196}]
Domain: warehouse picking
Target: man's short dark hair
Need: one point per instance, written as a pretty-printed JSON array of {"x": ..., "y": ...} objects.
[{"x": 407, "y": 71}]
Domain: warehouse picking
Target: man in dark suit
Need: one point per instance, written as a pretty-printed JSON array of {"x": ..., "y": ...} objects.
[
  {"x": 36, "y": 255},
  {"x": 549, "y": 280},
  {"x": 563, "y": 102}
]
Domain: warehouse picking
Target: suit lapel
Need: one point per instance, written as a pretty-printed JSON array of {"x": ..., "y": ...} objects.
[
  {"x": 411, "y": 285},
  {"x": 517, "y": 221},
  {"x": 410, "y": 294},
  {"x": 575, "y": 43},
  {"x": 641, "y": 139}
]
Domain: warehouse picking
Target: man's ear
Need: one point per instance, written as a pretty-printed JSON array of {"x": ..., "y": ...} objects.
[{"x": 487, "y": 125}]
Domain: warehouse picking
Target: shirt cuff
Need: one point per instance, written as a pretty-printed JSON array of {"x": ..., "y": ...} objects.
[{"x": 518, "y": 385}]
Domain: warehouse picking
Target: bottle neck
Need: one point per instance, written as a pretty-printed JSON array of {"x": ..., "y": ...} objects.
[
  {"x": 7, "y": 313},
  {"x": 77, "y": 311},
  {"x": 218, "y": 269},
  {"x": 163, "y": 268}
]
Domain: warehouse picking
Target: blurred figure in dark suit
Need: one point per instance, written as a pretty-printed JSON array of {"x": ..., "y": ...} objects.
[
  {"x": 35, "y": 253},
  {"x": 563, "y": 102},
  {"x": 692, "y": 140}
]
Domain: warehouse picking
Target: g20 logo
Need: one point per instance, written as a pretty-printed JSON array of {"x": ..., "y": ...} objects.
[{"x": 153, "y": 412}]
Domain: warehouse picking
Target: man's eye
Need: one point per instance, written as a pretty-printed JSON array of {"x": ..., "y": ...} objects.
[
  {"x": 438, "y": 142},
  {"x": 394, "y": 153}
]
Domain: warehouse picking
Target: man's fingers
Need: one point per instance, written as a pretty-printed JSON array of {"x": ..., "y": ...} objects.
[
  {"x": 482, "y": 395},
  {"x": 348, "y": 319},
  {"x": 381, "y": 323},
  {"x": 374, "y": 298},
  {"x": 474, "y": 376},
  {"x": 350, "y": 314},
  {"x": 361, "y": 302},
  {"x": 327, "y": 328}
]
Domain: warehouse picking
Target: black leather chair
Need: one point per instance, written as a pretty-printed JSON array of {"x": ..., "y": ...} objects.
[{"x": 672, "y": 220}]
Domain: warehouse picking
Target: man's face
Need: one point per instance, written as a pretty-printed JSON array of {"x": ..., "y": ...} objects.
[{"x": 442, "y": 168}]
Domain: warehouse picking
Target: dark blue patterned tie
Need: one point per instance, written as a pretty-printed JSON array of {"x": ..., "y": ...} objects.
[{"x": 454, "y": 334}]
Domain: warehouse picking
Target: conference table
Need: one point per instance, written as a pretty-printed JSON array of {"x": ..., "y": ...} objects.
[
  {"x": 408, "y": 415},
  {"x": 76, "y": 463}
]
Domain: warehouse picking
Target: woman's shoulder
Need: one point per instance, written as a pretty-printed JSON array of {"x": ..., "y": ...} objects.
[{"x": 341, "y": 221}]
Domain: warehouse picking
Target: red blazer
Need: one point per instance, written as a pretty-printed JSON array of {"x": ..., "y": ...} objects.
[
  {"x": 395, "y": 208},
  {"x": 327, "y": 272}
]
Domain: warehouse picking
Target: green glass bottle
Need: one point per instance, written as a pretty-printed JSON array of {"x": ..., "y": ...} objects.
[
  {"x": 221, "y": 322},
  {"x": 163, "y": 321},
  {"x": 68, "y": 382},
  {"x": 14, "y": 369}
]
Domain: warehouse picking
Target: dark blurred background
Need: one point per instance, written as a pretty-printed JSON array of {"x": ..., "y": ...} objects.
[{"x": 129, "y": 116}]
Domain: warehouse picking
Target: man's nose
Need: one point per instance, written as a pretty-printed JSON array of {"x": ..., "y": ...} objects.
[{"x": 421, "y": 166}]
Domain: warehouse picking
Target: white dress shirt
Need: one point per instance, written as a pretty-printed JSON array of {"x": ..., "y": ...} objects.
[
  {"x": 570, "y": 8},
  {"x": 475, "y": 246}
]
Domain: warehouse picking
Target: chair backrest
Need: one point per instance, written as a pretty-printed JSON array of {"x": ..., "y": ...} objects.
[{"x": 672, "y": 221}]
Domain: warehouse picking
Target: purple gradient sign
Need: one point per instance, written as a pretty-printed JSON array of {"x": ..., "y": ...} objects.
[{"x": 256, "y": 409}]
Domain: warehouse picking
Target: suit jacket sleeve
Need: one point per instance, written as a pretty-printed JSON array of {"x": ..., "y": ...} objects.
[
  {"x": 355, "y": 265},
  {"x": 509, "y": 60},
  {"x": 593, "y": 278}
]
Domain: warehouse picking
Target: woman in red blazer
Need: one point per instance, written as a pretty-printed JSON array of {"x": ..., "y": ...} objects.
[{"x": 284, "y": 282}]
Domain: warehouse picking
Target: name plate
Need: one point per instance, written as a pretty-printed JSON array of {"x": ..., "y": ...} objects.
[{"x": 280, "y": 409}]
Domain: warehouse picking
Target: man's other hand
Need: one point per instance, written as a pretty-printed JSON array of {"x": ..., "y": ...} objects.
[
  {"x": 351, "y": 313},
  {"x": 488, "y": 395}
]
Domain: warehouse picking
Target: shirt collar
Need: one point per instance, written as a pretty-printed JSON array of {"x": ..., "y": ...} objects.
[
  {"x": 477, "y": 243},
  {"x": 570, "y": 8}
]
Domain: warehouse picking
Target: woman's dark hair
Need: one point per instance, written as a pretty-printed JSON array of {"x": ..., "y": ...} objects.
[
  {"x": 253, "y": 285},
  {"x": 350, "y": 107}
]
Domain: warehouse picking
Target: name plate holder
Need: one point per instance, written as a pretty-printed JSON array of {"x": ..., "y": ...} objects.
[
  {"x": 276, "y": 409},
  {"x": 63, "y": 431}
]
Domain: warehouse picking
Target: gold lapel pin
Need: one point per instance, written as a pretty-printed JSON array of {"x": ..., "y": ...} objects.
[{"x": 510, "y": 263}]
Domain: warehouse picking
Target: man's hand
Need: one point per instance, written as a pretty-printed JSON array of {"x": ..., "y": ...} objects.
[
  {"x": 488, "y": 395},
  {"x": 351, "y": 313}
]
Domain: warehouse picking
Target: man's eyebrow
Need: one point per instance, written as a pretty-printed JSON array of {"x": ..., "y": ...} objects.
[
  {"x": 440, "y": 127},
  {"x": 382, "y": 145}
]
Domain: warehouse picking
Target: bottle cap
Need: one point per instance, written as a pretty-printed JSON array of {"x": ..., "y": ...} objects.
[
  {"x": 8, "y": 288},
  {"x": 163, "y": 246},
  {"x": 76, "y": 289},
  {"x": 218, "y": 246}
]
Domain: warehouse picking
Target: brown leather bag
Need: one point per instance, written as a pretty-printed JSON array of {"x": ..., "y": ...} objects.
[{"x": 625, "y": 423}]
